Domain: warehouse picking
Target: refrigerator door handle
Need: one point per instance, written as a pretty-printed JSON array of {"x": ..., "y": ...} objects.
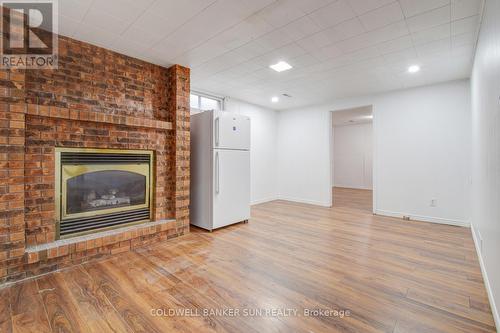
[
  {"x": 217, "y": 121},
  {"x": 217, "y": 188}
]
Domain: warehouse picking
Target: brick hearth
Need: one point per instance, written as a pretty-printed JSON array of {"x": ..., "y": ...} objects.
[{"x": 96, "y": 99}]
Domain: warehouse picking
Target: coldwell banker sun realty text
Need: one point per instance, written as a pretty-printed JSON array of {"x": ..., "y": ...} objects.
[{"x": 29, "y": 34}]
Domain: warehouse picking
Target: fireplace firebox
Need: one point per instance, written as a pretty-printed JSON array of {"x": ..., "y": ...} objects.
[{"x": 98, "y": 189}]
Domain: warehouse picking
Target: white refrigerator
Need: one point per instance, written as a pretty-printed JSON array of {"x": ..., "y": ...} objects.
[{"x": 220, "y": 169}]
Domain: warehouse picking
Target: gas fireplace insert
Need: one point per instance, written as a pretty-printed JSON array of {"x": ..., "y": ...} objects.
[{"x": 99, "y": 189}]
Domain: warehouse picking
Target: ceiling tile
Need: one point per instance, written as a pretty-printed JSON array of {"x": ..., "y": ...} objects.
[
  {"x": 125, "y": 10},
  {"x": 143, "y": 37},
  {"x": 67, "y": 26},
  {"x": 203, "y": 27},
  {"x": 310, "y": 5},
  {"x": 303, "y": 61},
  {"x": 402, "y": 58},
  {"x": 153, "y": 22},
  {"x": 301, "y": 28},
  {"x": 156, "y": 57},
  {"x": 284, "y": 53},
  {"x": 217, "y": 65},
  {"x": 382, "y": 16},
  {"x": 274, "y": 40},
  {"x": 95, "y": 35},
  {"x": 465, "y": 50},
  {"x": 163, "y": 17},
  {"x": 99, "y": 19},
  {"x": 333, "y": 14},
  {"x": 254, "y": 6},
  {"x": 355, "y": 43},
  {"x": 125, "y": 45},
  {"x": 395, "y": 45},
  {"x": 344, "y": 30},
  {"x": 242, "y": 33},
  {"x": 432, "y": 34},
  {"x": 74, "y": 9},
  {"x": 463, "y": 39},
  {"x": 363, "y": 6},
  {"x": 429, "y": 19},
  {"x": 328, "y": 52},
  {"x": 200, "y": 54},
  {"x": 442, "y": 46},
  {"x": 389, "y": 32},
  {"x": 246, "y": 68},
  {"x": 368, "y": 53},
  {"x": 289, "y": 51},
  {"x": 182, "y": 10},
  {"x": 251, "y": 50},
  {"x": 464, "y": 8},
  {"x": 414, "y": 7},
  {"x": 314, "y": 42},
  {"x": 281, "y": 13},
  {"x": 465, "y": 25}
]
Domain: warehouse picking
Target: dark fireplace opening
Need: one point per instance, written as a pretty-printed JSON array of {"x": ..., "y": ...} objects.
[
  {"x": 100, "y": 188},
  {"x": 105, "y": 189}
]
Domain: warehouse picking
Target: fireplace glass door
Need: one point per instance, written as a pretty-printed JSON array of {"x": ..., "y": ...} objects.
[
  {"x": 98, "y": 189},
  {"x": 102, "y": 189}
]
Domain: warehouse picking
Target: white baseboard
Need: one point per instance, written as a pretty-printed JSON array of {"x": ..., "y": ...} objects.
[
  {"x": 305, "y": 201},
  {"x": 264, "y": 200},
  {"x": 494, "y": 309},
  {"x": 431, "y": 219}
]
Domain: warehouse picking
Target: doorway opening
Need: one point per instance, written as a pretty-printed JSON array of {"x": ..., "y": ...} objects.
[{"x": 352, "y": 158}]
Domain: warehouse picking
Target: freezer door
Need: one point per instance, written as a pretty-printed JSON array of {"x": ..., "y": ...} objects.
[
  {"x": 231, "y": 197},
  {"x": 231, "y": 131}
]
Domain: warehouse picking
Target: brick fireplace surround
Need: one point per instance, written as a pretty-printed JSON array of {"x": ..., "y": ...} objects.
[{"x": 95, "y": 99}]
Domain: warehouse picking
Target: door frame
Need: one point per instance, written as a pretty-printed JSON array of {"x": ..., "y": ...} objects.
[{"x": 374, "y": 152}]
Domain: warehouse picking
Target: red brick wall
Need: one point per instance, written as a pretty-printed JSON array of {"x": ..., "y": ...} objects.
[
  {"x": 43, "y": 134},
  {"x": 178, "y": 108},
  {"x": 91, "y": 78},
  {"x": 99, "y": 99},
  {"x": 12, "y": 239}
]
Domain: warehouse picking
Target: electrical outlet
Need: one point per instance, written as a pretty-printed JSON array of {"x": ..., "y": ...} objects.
[{"x": 433, "y": 202}]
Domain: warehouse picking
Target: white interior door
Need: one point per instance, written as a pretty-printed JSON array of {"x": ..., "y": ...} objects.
[
  {"x": 231, "y": 187},
  {"x": 231, "y": 131}
]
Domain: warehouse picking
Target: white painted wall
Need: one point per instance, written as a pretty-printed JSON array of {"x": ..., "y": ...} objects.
[
  {"x": 304, "y": 156},
  {"x": 421, "y": 149},
  {"x": 352, "y": 156},
  {"x": 485, "y": 198},
  {"x": 263, "y": 154}
]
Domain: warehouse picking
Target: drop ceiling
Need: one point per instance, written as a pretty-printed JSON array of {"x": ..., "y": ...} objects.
[{"x": 338, "y": 48}]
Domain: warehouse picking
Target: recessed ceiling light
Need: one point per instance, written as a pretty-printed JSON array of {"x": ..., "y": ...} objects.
[
  {"x": 414, "y": 69},
  {"x": 275, "y": 99},
  {"x": 281, "y": 66}
]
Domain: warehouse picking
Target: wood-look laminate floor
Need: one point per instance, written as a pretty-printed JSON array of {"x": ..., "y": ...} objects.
[
  {"x": 393, "y": 276},
  {"x": 352, "y": 198}
]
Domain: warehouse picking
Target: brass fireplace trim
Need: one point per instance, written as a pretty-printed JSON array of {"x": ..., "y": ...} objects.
[
  {"x": 59, "y": 185},
  {"x": 75, "y": 171}
]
